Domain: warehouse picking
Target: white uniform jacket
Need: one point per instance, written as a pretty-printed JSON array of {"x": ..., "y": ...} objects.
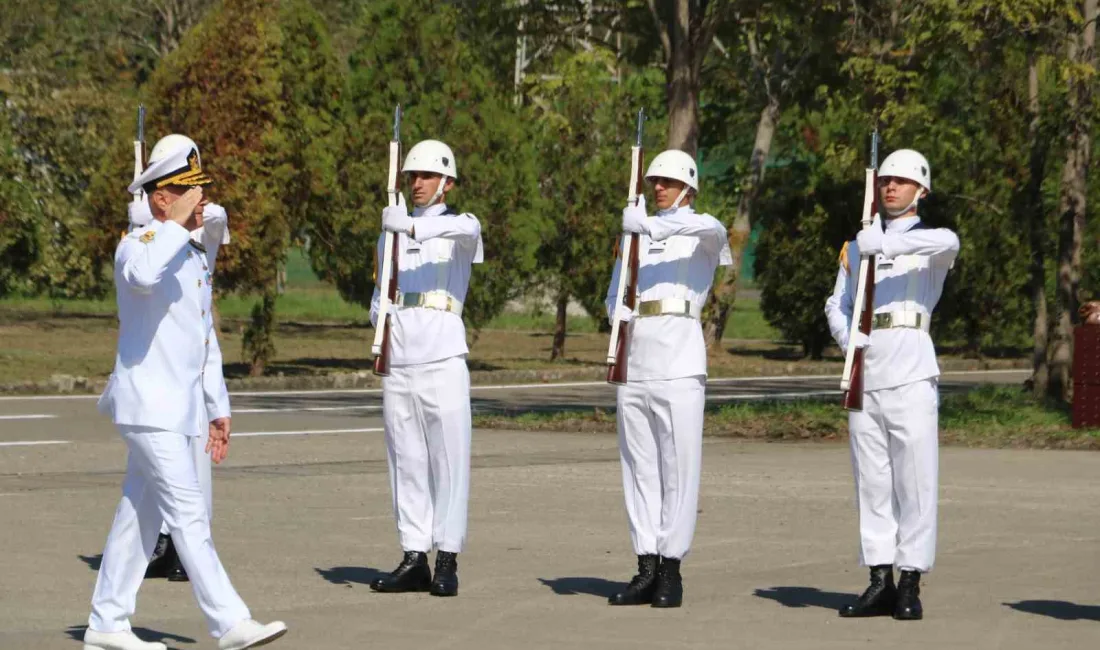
[
  {"x": 676, "y": 260},
  {"x": 168, "y": 370},
  {"x": 908, "y": 280},
  {"x": 437, "y": 262}
]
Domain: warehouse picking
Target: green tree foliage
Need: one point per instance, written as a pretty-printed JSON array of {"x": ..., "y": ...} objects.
[
  {"x": 22, "y": 233},
  {"x": 262, "y": 112},
  {"x": 447, "y": 95},
  {"x": 586, "y": 123}
]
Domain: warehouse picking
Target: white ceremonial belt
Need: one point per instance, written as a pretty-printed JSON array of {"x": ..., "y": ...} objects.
[
  {"x": 440, "y": 300},
  {"x": 669, "y": 307},
  {"x": 913, "y": 319}
]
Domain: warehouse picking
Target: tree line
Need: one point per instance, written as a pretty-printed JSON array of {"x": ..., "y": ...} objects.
[{"x": 290, "y": 102}]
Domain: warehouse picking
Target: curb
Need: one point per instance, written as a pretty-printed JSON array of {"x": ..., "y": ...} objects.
[{"x": 70, "y": 385}]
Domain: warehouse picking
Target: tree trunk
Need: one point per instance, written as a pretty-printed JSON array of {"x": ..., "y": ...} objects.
[
  {"x": 683, "y": 87},
  {"x": 1032, "y": 215},
  {"x": 721, "y": 300},
  {"x": 558, "y": 349},
  {"x": 1072, "y": 204},
  {"x": 259, "y": 339}
]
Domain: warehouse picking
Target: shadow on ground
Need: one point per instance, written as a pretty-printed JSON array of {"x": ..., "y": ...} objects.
[
  {"x": 1059, "y": 609},
  {"x": 93, "y": 561},
  {"x": 577, "y": 586},
  {"x": 350, "y": 575},
  {"x": 805, "y": 597}
]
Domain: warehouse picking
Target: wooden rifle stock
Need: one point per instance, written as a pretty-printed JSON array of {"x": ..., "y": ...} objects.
[
  {"x": 382, "y": 360},
  {"x": 852, "y": 381},
  {"x": 853, "y": 397},
  {"x": 627, "y": 293},
  {"x": 616, "y": 372},
  {"x": 390, "y": 248}
]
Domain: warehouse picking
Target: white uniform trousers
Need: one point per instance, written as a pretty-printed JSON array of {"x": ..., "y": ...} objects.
[
  {"x": 161, "y": 485},
  {"x": 426, "y": 412},
  {"x": 661, "y": 446},
  {"x": 895, "y": 459},
  {"x": 204, "y": 470}
]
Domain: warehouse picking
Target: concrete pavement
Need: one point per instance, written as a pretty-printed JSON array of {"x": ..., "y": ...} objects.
[
  {"x": 72, "y": 418},
  {"x": 303, "y": 523}
]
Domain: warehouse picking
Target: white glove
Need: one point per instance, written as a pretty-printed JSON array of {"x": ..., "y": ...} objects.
[
  {"x": 624, "y": 313},
  {"x": 635, "y": 218},
  {"x": 214, "y": 218},
  {"x": 214, "y": 211},
  {"x": 859, "y": 340},
  {"x": 395, "y": 218},
  {"x": 869, "y": 240},
  {"x": 139, "y": 212}
]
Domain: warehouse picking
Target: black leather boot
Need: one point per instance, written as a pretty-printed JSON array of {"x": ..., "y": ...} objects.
[
  {"x": 670, "y": 587},
  {"x": 908, "y": 607},
  {"x": 445, "y": 582},
  {"x": 878, "y": 599},
  {"x": 412, "y": 574},
  {"x": 158, "y": 564},
  {"x": 641, "y": 587},
  {"x": 176, "y": 572}
]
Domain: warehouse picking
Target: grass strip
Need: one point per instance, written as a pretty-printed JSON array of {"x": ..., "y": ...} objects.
[{"x": 987, "y": 416}]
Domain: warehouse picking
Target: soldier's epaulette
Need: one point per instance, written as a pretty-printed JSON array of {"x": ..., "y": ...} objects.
[{"x": 843, "y": 258}]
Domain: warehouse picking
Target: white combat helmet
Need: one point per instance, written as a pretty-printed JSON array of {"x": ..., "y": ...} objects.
[
  {"x": 677, "y": 165},
  {"x": 908, "y": 164},
  {"x": 174, "y": 160},
  {"x": 431, "y": 156}
]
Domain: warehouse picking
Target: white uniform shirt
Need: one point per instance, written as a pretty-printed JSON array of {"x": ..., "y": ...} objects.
[
  {"x": 677, "y": 260},
  {"x": 169, "y": 365},
  {"x": 438, "y": 259},
  {"x": 898, "y": 355}
]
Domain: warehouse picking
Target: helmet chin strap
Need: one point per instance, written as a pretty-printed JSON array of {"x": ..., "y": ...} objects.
[
  {"x": 901, "y": 211},
  {"x": 438, "y": 193},
  {"x": 676, "y": 204}
]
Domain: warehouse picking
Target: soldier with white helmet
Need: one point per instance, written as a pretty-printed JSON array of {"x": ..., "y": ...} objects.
[
  {"x": 660, "y": 408},
  {"x": 426, "y": 397},
  {"x": 894, "y": 438},
  {"x": 167, "y": 388}
]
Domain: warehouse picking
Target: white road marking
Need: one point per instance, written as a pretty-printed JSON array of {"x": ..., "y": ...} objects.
[
  {"x": 769, "y": 396},
  {"x": 312, "y": 409},
  {"x": 545, "y": 385},
  {"x": 36, "y": 416},
  {"x": 313, "y": 432},
  {"x": 33, "y": 443}
]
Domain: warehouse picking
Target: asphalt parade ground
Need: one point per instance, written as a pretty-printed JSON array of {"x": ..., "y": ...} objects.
[{"x": 303, "y": 523}]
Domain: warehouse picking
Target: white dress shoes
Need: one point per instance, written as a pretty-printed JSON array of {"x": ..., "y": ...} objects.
[
  {"x": 117, "y": 641},
  {"x": 251, "y": 634}
]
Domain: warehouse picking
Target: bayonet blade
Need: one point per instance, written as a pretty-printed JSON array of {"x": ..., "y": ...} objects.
[
  {"x": 641, "y": 123},
  {"x": 141, "y": 123},
  {"x": 874, "y": 148},
  {"x": 397, "y": 123}
]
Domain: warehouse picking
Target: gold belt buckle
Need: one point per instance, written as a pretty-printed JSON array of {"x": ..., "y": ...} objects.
[
  {"x": 882, "y": 321},
  {"x": 411, "y": 299},
  {"x": 650, "y": 308}
]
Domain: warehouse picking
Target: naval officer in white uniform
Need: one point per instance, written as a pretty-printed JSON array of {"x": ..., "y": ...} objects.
[
  {"x": 426, "y": 398},
  {"x": 895, "y": 438},
  {"x": 660, "y": 409},
  {"x": 209, "y": 236},
  {"x": 165, "y": 388}
]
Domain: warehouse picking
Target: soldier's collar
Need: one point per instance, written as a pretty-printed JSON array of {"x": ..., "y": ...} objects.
[{"x": 433, "y": 210}]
